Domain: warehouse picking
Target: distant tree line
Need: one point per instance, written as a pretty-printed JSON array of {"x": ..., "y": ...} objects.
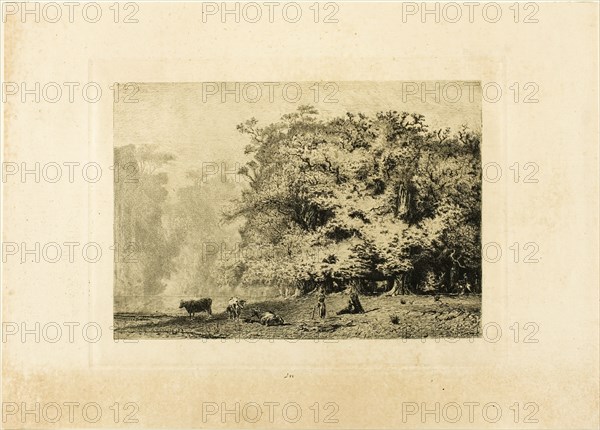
[{"x": 162, "y": 233}]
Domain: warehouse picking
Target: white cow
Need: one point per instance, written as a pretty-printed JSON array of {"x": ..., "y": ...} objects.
[{"x": 234, "y": 307}]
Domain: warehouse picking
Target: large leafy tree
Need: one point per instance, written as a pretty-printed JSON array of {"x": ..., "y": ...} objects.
[{"x": 355, "y": 200}]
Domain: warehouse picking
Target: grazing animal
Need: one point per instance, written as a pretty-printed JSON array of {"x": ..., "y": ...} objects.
[
  {"x": 320, "y": 308},
  {"x": 193, "y": 306},
  {"x": 268, "y": 318},
  {"x": 234, "y": 308}
]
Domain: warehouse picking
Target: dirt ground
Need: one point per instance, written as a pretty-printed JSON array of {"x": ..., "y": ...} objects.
[{"x": 417, "y": 317}]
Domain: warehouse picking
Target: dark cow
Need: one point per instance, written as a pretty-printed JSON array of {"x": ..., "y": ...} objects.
[
  {"x": 193, "y": 306},
  {"x": 268, "y": 318}
]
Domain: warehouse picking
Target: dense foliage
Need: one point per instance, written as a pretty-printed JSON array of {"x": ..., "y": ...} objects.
[{"x": 379, "y": 203}]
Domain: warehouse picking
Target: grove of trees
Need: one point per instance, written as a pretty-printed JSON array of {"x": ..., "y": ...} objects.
[{"x": 379, "y": 203}]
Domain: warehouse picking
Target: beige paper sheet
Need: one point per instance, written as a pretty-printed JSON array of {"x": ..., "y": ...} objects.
[{"x": 539, "y": 371}]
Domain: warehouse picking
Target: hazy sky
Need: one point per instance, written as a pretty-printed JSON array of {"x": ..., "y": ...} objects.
[{"x": 197, "y": 121}]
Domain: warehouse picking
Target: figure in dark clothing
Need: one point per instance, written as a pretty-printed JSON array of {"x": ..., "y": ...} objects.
[
  {"x": 358, "y": 309},
  {"x": 320, "y": 306},
  {"x": 354, "y": 306}
]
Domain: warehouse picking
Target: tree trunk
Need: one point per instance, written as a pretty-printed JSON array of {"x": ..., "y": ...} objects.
[
  {"x": 356, "y": 303},
  {"x": 404, "y": 282},
  {"x": 389, "y": 284},
  {"x": 301, "y": 288},
  {"x": 401, "y": 204},
  {"x": 399, "y": 286},
  {"x": 476, "y": 283}
]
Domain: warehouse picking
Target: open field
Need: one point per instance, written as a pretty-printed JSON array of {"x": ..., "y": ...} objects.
[{"x": 417, "y": 317}]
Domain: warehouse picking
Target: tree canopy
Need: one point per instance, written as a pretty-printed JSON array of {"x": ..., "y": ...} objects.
[
  {"x": 378, "y": 203},
  {"x": 358, "y": 200}
]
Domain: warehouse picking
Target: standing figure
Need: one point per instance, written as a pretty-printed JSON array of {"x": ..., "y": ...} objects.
[{"x": 320, "y": 306}]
